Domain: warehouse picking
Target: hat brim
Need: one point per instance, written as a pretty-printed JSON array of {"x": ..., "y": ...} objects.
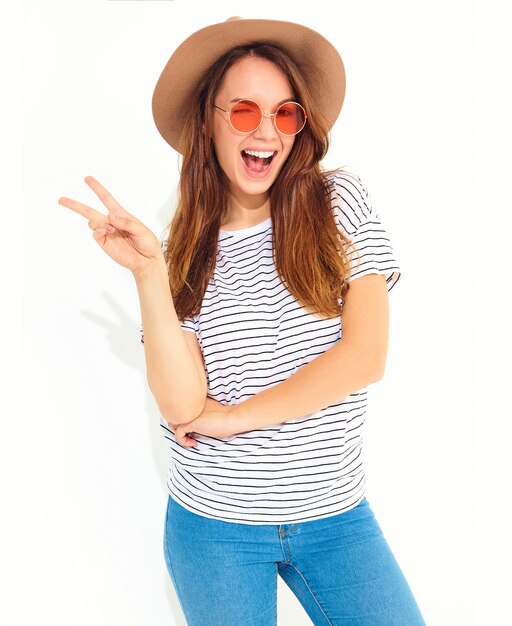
[{"x": 317, "y": 58}]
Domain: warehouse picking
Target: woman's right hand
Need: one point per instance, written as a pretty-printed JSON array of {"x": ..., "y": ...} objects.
[{"x": 121, "y": 235}]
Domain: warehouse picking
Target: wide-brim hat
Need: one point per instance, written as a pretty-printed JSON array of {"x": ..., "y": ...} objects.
[{"x": 319, "y": 61}]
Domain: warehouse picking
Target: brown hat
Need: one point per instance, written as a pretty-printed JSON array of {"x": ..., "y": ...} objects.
[{"x": 320, "y": 62}]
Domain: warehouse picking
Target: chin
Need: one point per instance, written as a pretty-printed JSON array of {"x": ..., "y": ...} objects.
[{"x": 255, "y": 186}]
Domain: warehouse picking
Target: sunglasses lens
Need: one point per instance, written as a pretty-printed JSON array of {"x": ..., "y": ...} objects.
[
  {"x": 245, "y": 116},
  {"x": 290, "y": 118}
]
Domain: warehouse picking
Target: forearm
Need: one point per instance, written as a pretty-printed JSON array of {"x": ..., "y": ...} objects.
[
  {"x": 178, "y": 387},
  {"x": 341, "y": 370}
]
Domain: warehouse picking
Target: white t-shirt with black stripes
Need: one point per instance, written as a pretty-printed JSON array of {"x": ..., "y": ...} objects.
[{"x": 254, "y": 334}]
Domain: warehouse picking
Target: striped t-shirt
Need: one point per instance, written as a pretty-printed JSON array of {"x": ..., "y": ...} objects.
[{"x": 254, "y": 334}]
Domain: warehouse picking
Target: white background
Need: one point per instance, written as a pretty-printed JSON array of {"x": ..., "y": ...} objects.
[{"x": 83, "y": 459}]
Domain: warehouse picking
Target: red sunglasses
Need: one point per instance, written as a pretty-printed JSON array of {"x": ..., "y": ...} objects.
[{"x": 246, "y": 116}]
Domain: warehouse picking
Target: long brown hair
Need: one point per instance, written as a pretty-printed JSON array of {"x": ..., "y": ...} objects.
[{"x": 307, "y": 245}]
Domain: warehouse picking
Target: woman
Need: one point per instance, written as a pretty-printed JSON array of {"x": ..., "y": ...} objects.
[{"x": 262, "y": 394}]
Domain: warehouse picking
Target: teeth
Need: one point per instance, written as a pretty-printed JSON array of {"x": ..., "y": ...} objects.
[{"x": 260, "y": 154}]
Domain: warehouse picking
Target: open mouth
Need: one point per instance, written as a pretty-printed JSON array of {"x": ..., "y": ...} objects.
[{"x": 258, "y": 162}]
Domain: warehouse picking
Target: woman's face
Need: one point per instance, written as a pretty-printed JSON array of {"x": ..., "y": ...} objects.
[{"x": 260, "y": 80}]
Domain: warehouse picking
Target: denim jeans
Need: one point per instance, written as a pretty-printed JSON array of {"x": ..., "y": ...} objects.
[{"x": 340, "y": 568}]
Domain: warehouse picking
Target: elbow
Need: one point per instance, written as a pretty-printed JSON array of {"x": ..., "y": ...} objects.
[
  {"x": 181, "y": 410},
  {"x": 376, "y": 376},
  {"x": 184, "y": 414},
  {"x": 377, "y": 369}
]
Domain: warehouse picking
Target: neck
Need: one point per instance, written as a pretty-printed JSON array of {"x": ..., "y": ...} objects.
[{"x": 246, "y": 210}]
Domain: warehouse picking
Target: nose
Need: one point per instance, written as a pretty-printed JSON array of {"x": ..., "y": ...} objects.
[{"x": 267, "y": 127}]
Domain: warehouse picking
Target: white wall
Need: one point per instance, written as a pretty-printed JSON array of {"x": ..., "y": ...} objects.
[{"x": 85, "y": 541}]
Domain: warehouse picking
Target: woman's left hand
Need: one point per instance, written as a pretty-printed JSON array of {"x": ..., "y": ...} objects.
[{"x": 216, "y": 420}]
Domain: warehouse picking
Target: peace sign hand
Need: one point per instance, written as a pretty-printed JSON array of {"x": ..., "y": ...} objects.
[{"x": 121, "y": 235}]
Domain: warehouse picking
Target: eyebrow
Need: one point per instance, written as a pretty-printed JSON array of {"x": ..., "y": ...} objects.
[{"x": 278, "y": 104}]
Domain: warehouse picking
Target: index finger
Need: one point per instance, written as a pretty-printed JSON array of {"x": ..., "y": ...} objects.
[{"x": 79, "y": 207}]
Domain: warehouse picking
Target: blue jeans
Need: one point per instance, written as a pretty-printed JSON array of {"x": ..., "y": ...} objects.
[{"x": 340, "y": 568}]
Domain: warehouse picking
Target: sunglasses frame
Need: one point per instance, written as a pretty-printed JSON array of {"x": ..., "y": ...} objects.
[{"x": 273, "y": 115}]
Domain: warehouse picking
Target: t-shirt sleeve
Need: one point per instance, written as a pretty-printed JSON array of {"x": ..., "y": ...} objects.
[
  {"x": 372, "y": 251},
  {"x": 187, "y": 324}
]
